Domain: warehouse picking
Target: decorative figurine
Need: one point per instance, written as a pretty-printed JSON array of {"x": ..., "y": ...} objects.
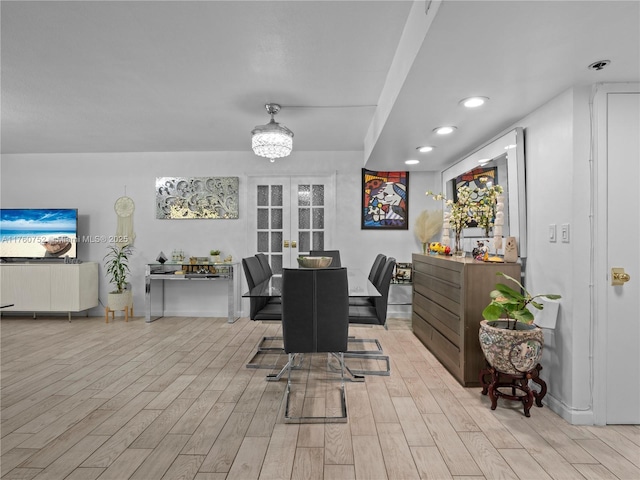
[
  {"x": 511, "y": 250},
  {"x": 481, "y": 251}
]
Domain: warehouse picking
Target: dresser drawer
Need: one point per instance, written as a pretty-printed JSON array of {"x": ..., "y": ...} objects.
[{"x": 446, "y": 322}]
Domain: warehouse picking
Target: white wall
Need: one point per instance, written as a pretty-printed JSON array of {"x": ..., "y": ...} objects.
[
  {"x": 92, "y": 183},
  {"x": 557, "y": 141}
]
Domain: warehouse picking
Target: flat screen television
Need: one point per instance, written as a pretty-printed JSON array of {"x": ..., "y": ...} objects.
[{"x": 28, "y": 233}]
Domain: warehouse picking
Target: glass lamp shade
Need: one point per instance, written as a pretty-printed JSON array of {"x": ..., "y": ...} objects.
[{"x": 272, "y": 140}]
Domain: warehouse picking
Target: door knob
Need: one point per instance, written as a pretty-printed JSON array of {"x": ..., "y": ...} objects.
[
  {"x": 294, "y": 244},
  {"x": 619, "y": 276},
  {"x": 286, "y": 244}
]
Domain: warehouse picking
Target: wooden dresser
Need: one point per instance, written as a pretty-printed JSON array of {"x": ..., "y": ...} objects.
[{"x": 449, "y": 295}]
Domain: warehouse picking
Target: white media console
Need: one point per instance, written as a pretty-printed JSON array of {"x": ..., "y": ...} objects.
[{"x": 48, "y": 287}]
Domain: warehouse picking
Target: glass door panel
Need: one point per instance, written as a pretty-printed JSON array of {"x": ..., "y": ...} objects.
[{"x": 293, "y": 215}]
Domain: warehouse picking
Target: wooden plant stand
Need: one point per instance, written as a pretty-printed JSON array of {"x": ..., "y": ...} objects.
[
  {"x": 127, "y": 311},
  {"x": 494, "y": 383}
]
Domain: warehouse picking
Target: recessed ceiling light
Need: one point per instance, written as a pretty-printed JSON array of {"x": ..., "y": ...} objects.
[
  {"x": 425, "y": 148},
  {"x": 599, "y": 65},
  {"x": 444, "y": 130},
  {"x": 473, "y": 102},
  {"x": 411, "y": 162}
]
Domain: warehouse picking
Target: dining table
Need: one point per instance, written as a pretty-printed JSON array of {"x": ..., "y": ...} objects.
[{"x": 359, "y": 285}]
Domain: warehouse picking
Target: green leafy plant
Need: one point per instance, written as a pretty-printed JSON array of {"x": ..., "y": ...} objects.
[
  {"x": 512, "y": 305},
  {"x": 117, "y": 266},
  {"x": 213, "y": 253}
]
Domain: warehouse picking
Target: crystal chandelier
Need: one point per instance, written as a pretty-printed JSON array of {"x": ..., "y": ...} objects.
[{"x": 272, "y": 140}]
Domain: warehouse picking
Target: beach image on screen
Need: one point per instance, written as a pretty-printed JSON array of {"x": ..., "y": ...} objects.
[{"x": 38, "y": 233}]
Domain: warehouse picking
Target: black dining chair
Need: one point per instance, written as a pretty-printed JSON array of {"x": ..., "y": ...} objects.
[
  {"x": 373, "y": 314},
  {"x": 376, "y": 314},
  {"x": 335, "y": 254},
  {"x": 266, "y": 268},
  {"x": 374, "y": 276},
  {"x": 264, "y": 263},
  {"x": 315, "y": 319},
  {"x": 376, "y": 268},
  {"x": 260, "y": 308}
]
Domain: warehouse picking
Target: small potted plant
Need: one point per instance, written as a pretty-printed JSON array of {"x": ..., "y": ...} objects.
[
  {"x": 510, "y": 341},
  {"x": 117, "y": 267},
  {"x": 215, "y": 256}
]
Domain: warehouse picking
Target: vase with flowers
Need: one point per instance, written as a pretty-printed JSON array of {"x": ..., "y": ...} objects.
[
  {"x": 473, "y": 206},
  {"x": 486, "y": 206},
  {"x": 459, "y": 213}
]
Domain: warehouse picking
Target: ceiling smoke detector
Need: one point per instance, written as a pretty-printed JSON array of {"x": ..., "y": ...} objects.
[{"x": 599, "y": 65}]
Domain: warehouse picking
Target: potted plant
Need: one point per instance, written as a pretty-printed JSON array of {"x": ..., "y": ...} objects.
[
  {"x": 510, "y": 341},
  {"x": 215, "y": 256},
  {"x": 117, "y": 265}
]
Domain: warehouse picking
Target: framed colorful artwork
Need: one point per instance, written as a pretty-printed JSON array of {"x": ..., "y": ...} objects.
[
  {"x": 479, "y": 177},
  {"x": 385, "y": 200}
]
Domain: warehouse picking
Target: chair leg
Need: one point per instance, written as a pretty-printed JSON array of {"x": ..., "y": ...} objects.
[
  {"x": 320, "y": 419},
  {"x": 378, "y": 350},
  {"x": 274, "y": 377},
  {"x": 265, "y": 351},
  {"x": 367, "y": 356}
]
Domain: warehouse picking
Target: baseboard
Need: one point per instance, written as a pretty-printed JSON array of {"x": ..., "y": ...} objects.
[
  {"x": 399, "y": 311},
  {"x": 574, "y": 417}
]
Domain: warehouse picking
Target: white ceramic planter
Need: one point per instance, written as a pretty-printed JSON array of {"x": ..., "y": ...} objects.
[{"x": 118, "y": 301}]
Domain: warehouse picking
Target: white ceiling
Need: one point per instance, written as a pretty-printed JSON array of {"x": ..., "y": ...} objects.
[{"x": 117, "y": 76}]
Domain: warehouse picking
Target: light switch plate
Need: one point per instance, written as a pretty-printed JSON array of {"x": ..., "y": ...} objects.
[
  {"x": 552, "y": 232},
  {"x": 564, "y": 233}
]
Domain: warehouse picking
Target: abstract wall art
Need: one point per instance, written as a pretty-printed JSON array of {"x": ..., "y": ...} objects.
[{"x": 197, "y": 197}]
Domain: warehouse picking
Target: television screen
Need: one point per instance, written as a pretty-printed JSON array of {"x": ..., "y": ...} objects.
[{"x": 38, "y": 232}]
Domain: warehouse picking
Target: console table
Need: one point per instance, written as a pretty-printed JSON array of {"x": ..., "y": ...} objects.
[{"x": 183, "y": 272}]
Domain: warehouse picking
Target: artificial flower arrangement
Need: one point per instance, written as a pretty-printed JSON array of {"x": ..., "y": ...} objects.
[
  {"x": 481, "y": 205},
  {"x": 486, "y": 206}
]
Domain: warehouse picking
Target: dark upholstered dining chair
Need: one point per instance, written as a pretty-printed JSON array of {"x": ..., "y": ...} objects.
[
  {"x": 260, "y": 308},
  {"x": 264, "y": 263},
  {"x": 374, "y": 313},
  {"x": 376, "y": 268},
  {"x": 335, "y": 254},
  {"x": 374, "y": 276},
  {"x": 315, "y": 319}
]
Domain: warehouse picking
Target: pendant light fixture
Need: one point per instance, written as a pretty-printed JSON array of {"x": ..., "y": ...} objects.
[{"x": 272, "y": 140}]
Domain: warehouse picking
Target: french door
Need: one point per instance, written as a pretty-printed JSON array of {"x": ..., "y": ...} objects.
[{"x": 290, "y": 215}]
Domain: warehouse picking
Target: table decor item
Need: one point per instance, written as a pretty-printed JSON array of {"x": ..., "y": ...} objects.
[
  {"x": 427, "y": 225},
  {"x": 314, "y": 262}
]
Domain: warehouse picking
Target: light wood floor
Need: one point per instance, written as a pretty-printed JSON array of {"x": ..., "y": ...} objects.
[{"x": 173, "y": 400}]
